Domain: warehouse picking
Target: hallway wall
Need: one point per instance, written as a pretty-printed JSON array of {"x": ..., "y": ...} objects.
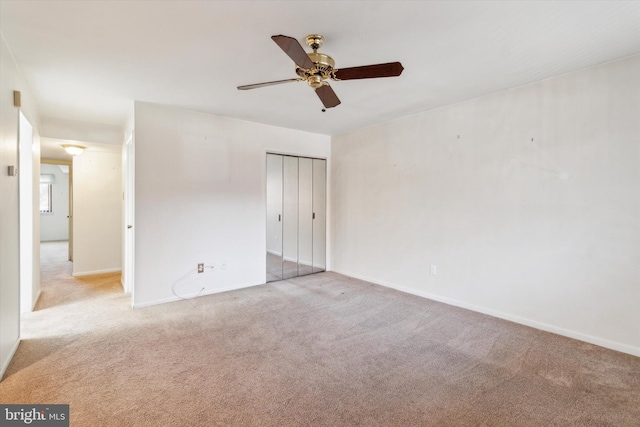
[
  {"x": 10, "y": 80},
  {"x": 97, "y": 210}
]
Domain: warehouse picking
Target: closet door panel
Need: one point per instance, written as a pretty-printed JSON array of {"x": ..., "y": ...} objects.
[
  {"x": 274, "y": 217},
  {"x": 319, "y": 215},
  {"x": 290, "y": 217},
  {"x": 305, "y": 216}
]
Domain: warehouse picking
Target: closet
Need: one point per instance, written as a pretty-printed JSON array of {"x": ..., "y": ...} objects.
[{"x": 296, "y": 216}]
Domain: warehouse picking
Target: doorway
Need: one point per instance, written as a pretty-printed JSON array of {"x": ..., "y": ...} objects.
[
  {"x": 56, "y": 203},
  {"x": 56, "y": 219},
  {"x": 296, "y": 216}
]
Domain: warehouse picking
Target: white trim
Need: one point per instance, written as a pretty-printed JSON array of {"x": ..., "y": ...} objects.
[
  {"x": 89, "y": 273},
  {"x": 602, "y": 342},
  {"x": 11, "y": 354},
  {"x": 274, "y": 252},
  {"x": 192, "y": 295},
  {"x": 35, "y": 301}
]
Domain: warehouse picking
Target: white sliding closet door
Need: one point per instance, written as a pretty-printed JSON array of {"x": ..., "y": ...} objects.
[{"x": 296, "y": 216}]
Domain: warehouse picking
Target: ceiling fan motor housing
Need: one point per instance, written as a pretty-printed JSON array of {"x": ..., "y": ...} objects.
[
  {"x": 322, "y": 68},
  {"x": 321, "y": 61}
]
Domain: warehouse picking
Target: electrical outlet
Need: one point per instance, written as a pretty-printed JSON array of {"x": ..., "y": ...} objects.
[
  {"x": 433, "y": 270},
  {"x": 201, "y": 268}
]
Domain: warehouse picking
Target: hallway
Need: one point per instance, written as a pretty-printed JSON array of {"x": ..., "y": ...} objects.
[
  {"x": 59, "y": 286},
  {"x": 54, "y": 260},
  {"x": 62, "y": 294}
]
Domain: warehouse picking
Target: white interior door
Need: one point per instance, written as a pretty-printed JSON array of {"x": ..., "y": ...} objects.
[
  {"x": 70, "y": 216},
  {"x": 26, "y": 196},
  {"x": 129, "y": 216}
]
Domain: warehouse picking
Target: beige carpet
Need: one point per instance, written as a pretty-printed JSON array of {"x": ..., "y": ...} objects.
[{"x": 319, "y": 350}]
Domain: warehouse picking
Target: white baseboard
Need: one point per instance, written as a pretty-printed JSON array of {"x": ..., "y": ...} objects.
[
  {"x": 192, "y": 295},
  {"x": 274, "y": 252},
  {"x": 89, "y": 273},
  {"x": 8, "y": 361},
  {"x": 602, "y": 342},
  {"x": 36, "y": 299}
]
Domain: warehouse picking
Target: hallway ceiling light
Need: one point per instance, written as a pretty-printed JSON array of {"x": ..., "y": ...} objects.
[{"x": 74, "y": 150}]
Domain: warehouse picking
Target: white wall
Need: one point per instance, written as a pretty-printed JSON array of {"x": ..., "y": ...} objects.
[
  {"x": 527, "y": 201},
  {"x": 97, "y": 210},
  {"x": 55, "y": 225},
  {"x": 200, "y": 197},
  {"x": 10, "y": 80}
]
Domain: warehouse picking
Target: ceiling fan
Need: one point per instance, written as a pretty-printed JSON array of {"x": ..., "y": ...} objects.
[{"x": 316, "y": 68}]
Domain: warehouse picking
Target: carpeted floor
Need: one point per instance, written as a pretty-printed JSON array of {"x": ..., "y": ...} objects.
[{"x": 319, "y": 350}]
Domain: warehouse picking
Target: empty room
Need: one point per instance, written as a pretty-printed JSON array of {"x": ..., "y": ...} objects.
[{"x": 328, "y": 213}]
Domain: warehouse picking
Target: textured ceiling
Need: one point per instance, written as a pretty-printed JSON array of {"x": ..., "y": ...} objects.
[{"x": 85, "y": 61}]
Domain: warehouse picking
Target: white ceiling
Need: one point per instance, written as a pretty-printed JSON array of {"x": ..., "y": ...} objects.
[{"x": 85, "y": 61}]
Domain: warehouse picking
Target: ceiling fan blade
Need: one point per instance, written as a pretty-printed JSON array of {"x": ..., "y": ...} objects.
[
  {"x": 257, "y": 85},
  {"x": 390, "y": 69},
  {"x": 294, "y": 50},
  {"x": 327, "y": 96}
]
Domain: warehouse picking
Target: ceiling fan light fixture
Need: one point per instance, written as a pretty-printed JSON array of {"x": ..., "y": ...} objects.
[
  {"x": 315, "y": 81},
  {"x": 73, "y": 149}
]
